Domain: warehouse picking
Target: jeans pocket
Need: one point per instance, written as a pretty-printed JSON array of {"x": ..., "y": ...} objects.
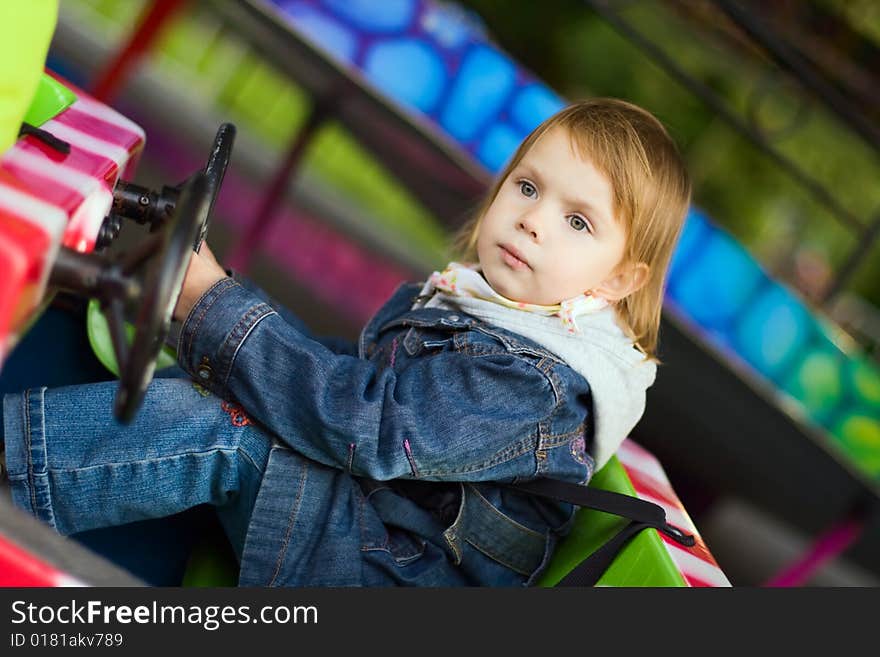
[{"x": 402, "y": 545}]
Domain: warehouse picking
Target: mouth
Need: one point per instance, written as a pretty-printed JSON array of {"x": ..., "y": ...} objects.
[{"x": 513, "y": 258}]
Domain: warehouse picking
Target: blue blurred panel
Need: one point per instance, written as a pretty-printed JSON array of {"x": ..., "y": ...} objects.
[
  {"x": 451, "y": 26},
  {"x": 498, "y": 146},
  {"x": 332, "y": 37},
  {"x": 532, "y": 105},
  {"x": 719, "y": 283},
  {"x": 408, "y": 70},
  {"x": 371, "y": 16},
  {"x": 773, "y": 330},
  {"x": 480, "y": 91},
  {"x": 696, "y": 229}
]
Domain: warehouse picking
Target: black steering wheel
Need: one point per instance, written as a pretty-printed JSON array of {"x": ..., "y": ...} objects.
[
  {"x": 145, "y": 283},
  {"x": 162, "y": 283},
  {"x": 215, "y": 170},
  {"x": 161, "y": 286}
]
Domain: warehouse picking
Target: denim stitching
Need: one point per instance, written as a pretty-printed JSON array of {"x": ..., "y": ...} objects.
[
  {"x": 362, "y": 339},
  {"x": 294, "y": 512},
  {"x": 558, "y": 387},
  {"x": 232, "y": 335},
  {"x": 401, "y": 560},
  {"x": 30, "y": 458},
  {"x": 496, "y": 557},
  {"x": 409, "y": 456},
  {"x": 233, "y": 338},
  {"x": 217, "y": 293},
  {"x": 49, "y": 511},
  {"x": 394, "y": 349},
  {"x": 512, "y": 345},
  {"x": 114, "y": 464},
  {"x": 556, "y": 440},
  {"x": 244, "y": 337},
  {"x": 206, "y": 293},
  {"x": 502, "y": 516},
  {"x": 450, "y": 533},
  {"x": 509, "y": 454},
  {"x": 350, "y": 456},
  {"x": 189, "y": 335},
  {"x": 491, "y": 553},
  {"x": 253, "y": 316}
]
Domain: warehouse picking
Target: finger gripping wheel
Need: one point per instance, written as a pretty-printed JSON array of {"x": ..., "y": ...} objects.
[{"x": 161, "y": 286}]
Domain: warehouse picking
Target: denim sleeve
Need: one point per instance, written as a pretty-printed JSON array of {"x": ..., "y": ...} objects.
[
  {"x": 335, "y": 344},
  {"x": 451, "y": 416}
]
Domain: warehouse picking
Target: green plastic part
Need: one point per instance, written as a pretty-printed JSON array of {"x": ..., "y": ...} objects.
[
  {"x": 51, "y": 99},
  {"x": 99, "y": 338},
  {"x": 209, "y": 566},
  {"x": 644, "y": 561}
]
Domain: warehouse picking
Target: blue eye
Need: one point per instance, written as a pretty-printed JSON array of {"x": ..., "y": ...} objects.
[
  {"x": 577, "y": 222},
  {"x": 527, "y": 189}
]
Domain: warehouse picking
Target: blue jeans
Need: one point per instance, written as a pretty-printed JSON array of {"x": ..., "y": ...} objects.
[{"x": 73, "y": 466}]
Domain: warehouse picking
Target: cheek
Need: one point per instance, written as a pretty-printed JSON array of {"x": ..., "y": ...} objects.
[
  {"x": 488, "y": 228},
  {"x": 481, "y": 240},
  {"x": 576, "y": 271}
]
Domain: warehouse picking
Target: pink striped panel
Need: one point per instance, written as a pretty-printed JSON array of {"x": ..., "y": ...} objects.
[
  {"x": 63, "y": 197},
  {"x": 696, "y": 564}
]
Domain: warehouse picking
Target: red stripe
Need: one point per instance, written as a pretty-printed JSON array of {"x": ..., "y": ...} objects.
[
  {"x": 44, "y": 187},
  {"x": 91, "y": 164},
  {"x": 23, "y": 248},
  {"x": 699, "y": 549},
  {"x": 18, "y": 568},
  {"x": 644, "y": 485},
  {"x": 696, "y": 582},
  {"x": 31, "y": 240},
  {"x": 97, "y": 127},
  {"x": 13, "y": 273}
]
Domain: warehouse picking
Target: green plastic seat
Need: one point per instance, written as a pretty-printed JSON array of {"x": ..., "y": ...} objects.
[
  {"x": 644, "y": 561},
  {"x": 102, "y": 345}
]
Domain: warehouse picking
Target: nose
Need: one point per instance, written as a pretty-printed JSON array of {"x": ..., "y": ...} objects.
[{"x": 531, "y": 224}]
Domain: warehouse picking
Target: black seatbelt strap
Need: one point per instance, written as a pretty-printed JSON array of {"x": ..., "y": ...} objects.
[
  {"x": 643, "y": 515},
  {"x": 45, "y": 136}
]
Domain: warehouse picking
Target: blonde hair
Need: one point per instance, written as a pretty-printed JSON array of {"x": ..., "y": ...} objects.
[{"x": 651, "y": 193}]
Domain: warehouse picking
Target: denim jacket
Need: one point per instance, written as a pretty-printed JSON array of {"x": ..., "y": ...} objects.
[{"x": 391, "y": 455}]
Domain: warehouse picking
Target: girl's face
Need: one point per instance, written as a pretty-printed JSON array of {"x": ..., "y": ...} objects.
[{"x": 550, "y": 234}]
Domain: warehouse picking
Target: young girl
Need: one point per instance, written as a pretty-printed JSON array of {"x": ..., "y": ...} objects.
[{"x": 382, "y": 463}]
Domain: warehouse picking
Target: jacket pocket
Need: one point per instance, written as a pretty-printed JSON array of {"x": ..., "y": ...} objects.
[
  {"x": 495, "y": 535},
  {"x": 418, "y": 340}
]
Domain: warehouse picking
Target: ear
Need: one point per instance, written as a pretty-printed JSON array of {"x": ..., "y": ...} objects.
[{"x": 625, "y": 280}]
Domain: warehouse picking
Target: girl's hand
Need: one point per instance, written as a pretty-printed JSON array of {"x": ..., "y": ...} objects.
[{"x": 202, "y": 273}]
